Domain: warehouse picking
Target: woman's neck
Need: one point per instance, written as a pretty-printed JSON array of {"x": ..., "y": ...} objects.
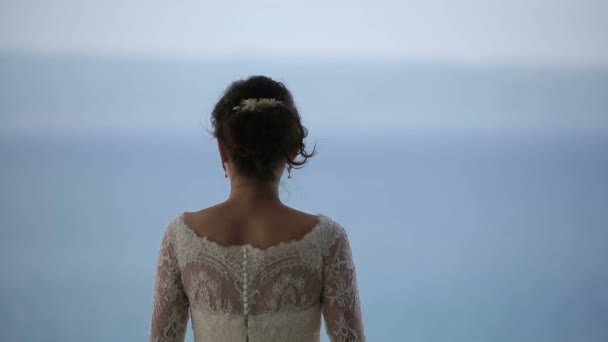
[{"x": 254, "y": 193}]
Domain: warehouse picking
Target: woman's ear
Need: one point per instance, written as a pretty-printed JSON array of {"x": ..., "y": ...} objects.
[{"x": 223, "y": 153}]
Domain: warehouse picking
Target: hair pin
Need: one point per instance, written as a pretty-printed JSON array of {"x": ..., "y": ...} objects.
[{"x": 254, "y": 104}]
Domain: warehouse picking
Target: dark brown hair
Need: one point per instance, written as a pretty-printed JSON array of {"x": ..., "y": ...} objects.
[{"x": 258, "y": 141}]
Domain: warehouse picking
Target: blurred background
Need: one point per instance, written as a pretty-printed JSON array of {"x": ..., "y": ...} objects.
[{"x": 463, "y": 145}]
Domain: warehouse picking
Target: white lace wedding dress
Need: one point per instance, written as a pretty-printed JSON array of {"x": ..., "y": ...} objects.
[{"x": 243, "y": 293}]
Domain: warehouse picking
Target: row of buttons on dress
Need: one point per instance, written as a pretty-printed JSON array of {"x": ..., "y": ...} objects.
[
  {"x": 245, "y": 281},
  {"x": 245, "y": 297}
]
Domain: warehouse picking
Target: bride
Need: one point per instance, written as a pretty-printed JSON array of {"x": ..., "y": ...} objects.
[{"x": 251, "y": 268}]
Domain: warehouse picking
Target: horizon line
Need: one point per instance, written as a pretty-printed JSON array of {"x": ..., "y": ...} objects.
[{"x": 307, "y": 60}]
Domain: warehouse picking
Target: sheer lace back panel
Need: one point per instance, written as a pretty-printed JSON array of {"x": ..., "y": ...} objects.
[{"x": 243, "y": 293}]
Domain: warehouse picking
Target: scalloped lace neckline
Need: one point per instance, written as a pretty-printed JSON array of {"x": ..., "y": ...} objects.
[{"x": 322, "y": 220}]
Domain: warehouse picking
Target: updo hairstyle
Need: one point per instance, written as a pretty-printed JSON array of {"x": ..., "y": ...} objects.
[{"x": 259, "y": 138}]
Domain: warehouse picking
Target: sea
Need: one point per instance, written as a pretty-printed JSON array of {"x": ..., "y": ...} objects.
[{"x": 457, "y": 236}]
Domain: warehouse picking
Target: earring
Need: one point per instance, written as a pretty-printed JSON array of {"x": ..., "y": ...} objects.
[
  {"x": 289, "y": 172},
  {"x": 224, "y": 167}
]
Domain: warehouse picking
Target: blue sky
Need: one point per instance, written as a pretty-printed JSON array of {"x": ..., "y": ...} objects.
[
  {"x": 468, "y": 31},
  {"x": 494, "y": 34}
]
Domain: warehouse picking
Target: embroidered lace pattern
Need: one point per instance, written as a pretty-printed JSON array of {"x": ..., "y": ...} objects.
[{"x": 243, "y": 293}]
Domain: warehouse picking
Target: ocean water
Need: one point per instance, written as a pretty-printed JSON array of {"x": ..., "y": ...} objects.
[{"x": 455, "y": 238}]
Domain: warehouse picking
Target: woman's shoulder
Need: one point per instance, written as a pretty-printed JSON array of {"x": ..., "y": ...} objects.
[
  {"x": 331, "y": 225},
  {"x": 173, "y": 225},
  {"x": 332, "y": 233}
]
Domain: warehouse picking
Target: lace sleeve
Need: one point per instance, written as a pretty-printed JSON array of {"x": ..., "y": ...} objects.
[
  {"x": 341, "y": 308},
  {"x": 170, "y": 304}
]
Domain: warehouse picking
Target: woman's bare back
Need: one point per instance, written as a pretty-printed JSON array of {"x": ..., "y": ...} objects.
[{"x": 262, "y": 227}]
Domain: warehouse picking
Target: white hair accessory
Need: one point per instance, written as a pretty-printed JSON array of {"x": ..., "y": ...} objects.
[{"x": 254, "y": 104}]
